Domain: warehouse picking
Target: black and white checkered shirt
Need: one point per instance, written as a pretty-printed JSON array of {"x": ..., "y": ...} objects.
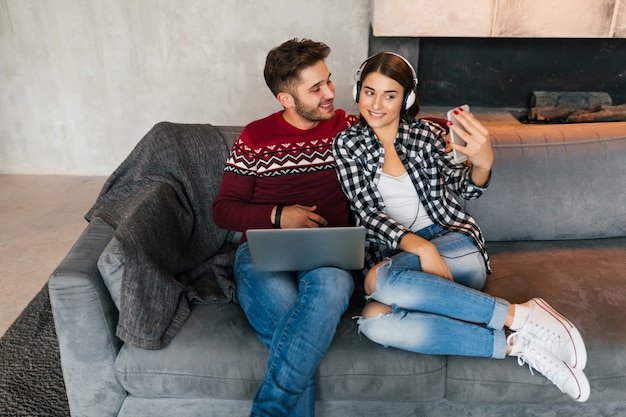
[{"x": 421, "y": 147}]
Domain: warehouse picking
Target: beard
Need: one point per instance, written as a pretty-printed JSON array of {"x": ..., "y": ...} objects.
[{"x": 312, "y": 113}]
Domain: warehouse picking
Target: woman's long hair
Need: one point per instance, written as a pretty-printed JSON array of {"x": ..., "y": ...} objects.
[{"x": 396, "y": 68}]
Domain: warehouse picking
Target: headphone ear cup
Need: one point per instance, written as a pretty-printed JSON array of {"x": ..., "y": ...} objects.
[
  {"x": 410, "y": 100},
  {"x": 356, "y": 90}
]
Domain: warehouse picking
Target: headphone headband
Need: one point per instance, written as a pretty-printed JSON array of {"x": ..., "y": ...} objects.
[
  {"x": 357, "y": 76},
  {"x": 409, "y": 97}
]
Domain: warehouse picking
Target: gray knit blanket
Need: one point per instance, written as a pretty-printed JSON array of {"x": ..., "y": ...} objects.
[{"x": 158, "y": 201}]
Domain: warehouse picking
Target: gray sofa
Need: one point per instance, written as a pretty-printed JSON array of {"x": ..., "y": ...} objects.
[{"x": 555, "y": 221}]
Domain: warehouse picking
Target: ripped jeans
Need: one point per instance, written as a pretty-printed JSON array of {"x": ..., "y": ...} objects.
[{"x": 434, "y": 315}]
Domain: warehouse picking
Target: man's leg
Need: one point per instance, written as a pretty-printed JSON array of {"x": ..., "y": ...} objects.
[
  {"x": 300, "y": 342},
  {"x": 264, "y": 296},
  {"x": 298, "y": 338}
]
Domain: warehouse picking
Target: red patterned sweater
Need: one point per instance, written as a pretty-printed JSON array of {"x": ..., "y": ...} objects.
[{"x": 273, "y": 162}]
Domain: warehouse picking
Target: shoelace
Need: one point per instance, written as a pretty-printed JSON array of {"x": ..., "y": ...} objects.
[
  {"x": 553, "y": 371},
  {"x": 546, "y": 335},
  {"x": 549, "y": 338}
]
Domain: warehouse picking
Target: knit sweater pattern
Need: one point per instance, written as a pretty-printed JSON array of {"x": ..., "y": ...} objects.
[{"x": 273, "y": 162}]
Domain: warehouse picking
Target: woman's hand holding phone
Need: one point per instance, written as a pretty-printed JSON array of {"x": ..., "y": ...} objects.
[
  {"x": 459, "y": 156},
  {"x": 470, "y": 140}
]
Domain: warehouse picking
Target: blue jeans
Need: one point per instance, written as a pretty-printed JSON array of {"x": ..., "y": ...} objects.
[
  {"x": 294, "y": 314},
  {"x": 434, "y": 315}
]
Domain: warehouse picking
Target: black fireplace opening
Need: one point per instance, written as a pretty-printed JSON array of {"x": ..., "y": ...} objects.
[{"x": 505, "y": 72}]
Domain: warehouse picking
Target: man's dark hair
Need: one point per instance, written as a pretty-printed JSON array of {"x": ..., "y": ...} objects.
[{"x": 285, "y": 63}]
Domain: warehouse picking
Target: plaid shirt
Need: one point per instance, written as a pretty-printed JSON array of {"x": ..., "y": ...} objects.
[{"x": 421, "y": 147}]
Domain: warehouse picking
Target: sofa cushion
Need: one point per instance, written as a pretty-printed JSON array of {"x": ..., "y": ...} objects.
[
  {"x": 215, "y": 354},
  {"x": 554, "y": 182},
  {"x": 582, "y": 279},
  {"x": 199, "y": 363},
  {"x": 356, "y": 368}
]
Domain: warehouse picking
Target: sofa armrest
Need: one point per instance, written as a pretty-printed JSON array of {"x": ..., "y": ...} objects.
[{"x": 85, "y": 319}]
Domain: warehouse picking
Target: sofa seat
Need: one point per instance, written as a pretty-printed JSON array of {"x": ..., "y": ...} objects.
[
  {"x": 582, "y": 279},
  {"x": 197, "y": 364}
]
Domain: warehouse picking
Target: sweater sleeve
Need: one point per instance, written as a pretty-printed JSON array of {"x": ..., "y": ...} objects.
[{"x": 233, "y": 209}]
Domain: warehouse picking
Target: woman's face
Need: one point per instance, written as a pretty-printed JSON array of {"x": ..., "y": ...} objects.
[{"x": 380, "y": 101}]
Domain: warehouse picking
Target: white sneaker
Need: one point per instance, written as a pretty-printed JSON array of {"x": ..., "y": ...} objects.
[
  {"x": 572, "y": 382},
  {"x": 548, "y": 327}
]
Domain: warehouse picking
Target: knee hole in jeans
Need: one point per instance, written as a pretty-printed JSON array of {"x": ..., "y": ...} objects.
[
  {"x": 371, "y": 277},
  {"x": 375, "y": 309}
]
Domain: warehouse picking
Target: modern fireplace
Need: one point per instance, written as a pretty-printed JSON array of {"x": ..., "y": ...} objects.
[{"x": 508, "y": 51}]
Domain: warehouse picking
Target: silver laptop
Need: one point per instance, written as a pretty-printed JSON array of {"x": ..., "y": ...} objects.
[{"x": 303, "y": 249}]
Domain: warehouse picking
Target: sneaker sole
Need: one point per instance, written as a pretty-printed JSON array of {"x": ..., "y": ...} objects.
[{"x": 583, "y": 385}]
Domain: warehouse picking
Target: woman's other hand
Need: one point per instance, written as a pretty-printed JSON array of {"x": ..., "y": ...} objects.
[{"x": 430, "y": 258}]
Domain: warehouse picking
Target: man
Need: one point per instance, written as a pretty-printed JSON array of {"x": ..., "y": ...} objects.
[{"x": 281, "y": 173}]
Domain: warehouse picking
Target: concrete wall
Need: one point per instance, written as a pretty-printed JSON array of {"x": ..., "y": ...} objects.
[{"x": 82, "y": 81}]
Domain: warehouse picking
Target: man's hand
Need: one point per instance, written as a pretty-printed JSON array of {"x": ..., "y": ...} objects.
[{"x": 299, "y": 216}]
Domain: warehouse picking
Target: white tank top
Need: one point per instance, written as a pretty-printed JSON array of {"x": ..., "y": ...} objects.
[{"x": 402, "y": 202}]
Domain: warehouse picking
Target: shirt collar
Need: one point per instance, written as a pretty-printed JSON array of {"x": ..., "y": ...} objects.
[{"x": 402, "y": 136}]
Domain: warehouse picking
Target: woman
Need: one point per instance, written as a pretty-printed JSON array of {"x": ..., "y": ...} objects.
[{"x": 426, "y": 255}]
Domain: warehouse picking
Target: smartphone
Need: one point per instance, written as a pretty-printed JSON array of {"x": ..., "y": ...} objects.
[{"x": 458, "y": 156}]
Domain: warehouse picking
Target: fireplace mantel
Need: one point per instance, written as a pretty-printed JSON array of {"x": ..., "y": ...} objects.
[{"x": 500, "y": 18}]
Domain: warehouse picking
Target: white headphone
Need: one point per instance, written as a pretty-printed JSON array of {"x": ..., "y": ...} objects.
[{"x": 409, "y": 97}]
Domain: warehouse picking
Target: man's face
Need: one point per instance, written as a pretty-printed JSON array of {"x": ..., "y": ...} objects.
[{"x": 313, "y": 97}]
